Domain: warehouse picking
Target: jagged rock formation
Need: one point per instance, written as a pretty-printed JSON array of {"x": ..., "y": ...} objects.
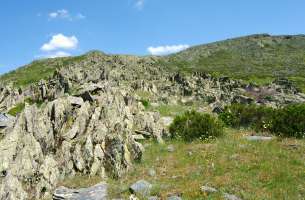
[
  {"x": 92, "y": 118},
  {"x": 68, "y": 136}
]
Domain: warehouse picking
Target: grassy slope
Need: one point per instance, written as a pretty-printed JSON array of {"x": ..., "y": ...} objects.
[
  {"x": 257, "y": 58},
  {"x": 251, "y": 170},
  {"x": 268, "y": 170},
  {"x": 37, "y": 70}
]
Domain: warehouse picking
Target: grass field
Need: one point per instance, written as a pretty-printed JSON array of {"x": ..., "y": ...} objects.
[{"x": 269, "y": 170}]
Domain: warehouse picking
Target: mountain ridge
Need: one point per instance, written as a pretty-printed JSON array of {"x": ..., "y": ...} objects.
[{"x": 257, "y": 58}]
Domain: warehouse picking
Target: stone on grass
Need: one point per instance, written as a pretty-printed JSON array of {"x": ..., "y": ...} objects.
[
  {"x": 258, "y": 138},
  {"x": 152, "y": 172},
  {"x": 153, "y": 198},
  {"x": 141, "y": 187},
  {"x": 97, "y": 192},
  {"x": 170, "y": 148},
  {"x": 208, "y": 190},
  {"x": 230, "y": 197},
  {"x": 133, "y": 197},
  {"x": 167, "y": 120},
  {"x": 174, "y": 198}
]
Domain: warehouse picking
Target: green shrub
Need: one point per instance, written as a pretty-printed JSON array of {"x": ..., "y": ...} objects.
[
  {"x": 289, "y": 121},
  {"x": 250, "y": 116},
  {"x": 17, "y": 109},
  {"x": 194, "y": 125},
  {"x": 145, "y": 103}
]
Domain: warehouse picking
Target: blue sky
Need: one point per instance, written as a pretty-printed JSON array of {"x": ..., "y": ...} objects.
[{"x": 33, "y": 29}]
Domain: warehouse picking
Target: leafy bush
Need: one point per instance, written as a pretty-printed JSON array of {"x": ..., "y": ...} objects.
[
  {"x": 17, "y": 109},
  {"x": 194, "y": 125},
  {"x": 145, "y": 103},
  {"x": 289, "y": 121},
  {"x": 253, "y": 116}
]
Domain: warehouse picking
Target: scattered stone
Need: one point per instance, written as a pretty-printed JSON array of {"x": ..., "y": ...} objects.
[
  {"x": 6, "y": 120},
  {"x": 171, "y": 148},
  {"x": 258, "y": 138},
  {"x": 138, "y": 137},
  {"x": 152, "y": 172},
  {"x": 141, "y": 187},
  {"x": 208, "y": 190},
  {"x": 174, "y": 198},
  {"x": 133, "y": 197},
  {"x": 167, "y": 120},
  {"x": 153, "y": 198},
  {"x": 231, "y": 197},
  {"x": 97, "y": 192},
  {"x": 143, "y": 133}
]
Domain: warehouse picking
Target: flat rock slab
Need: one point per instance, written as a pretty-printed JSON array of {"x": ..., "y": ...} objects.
[
  {"x": 97, "y": 192},
  {"x": 6, "y": 120},
  {"x": 258, "y": 138},
  {"x": 231, "y": 197},
  {"x": 167, "y": 120},
  {"x": 141, "y": 187}
]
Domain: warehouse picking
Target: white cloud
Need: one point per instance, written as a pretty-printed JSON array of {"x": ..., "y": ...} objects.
[
  {"x": 80, "y": 16},
  {"x": 139, "y": 4},
  {"x": 164, "y": 50},
  {"x": 60, "y": 41},
  {"x": 65, "y": 14}
]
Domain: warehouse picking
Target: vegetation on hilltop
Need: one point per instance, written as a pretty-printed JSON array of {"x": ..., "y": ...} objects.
[
  {"x": 255, "y": 58},
  {"x": 37, "y": 70}
]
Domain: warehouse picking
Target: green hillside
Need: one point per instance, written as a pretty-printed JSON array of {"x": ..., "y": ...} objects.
[
  {"x": 255, "y": 58},
  {"x": 258, "y": 58},
  {"x": 37, "y": 70}
]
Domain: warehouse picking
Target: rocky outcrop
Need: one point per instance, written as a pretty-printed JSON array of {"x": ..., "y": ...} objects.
[{"x": 68, "y": 136}]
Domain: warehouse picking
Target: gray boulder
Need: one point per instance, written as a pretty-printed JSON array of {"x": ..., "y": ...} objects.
[
  {"x": 174, "y": 198},
  {"x": 97, "y": 192},
  {"x": 141, "y": 187},
  {"x": 230, "y": 197},
  {"x": 6, "y": 120},
  {"x": 208, "y": 190},
  {"x": 170, "y": 148}
]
